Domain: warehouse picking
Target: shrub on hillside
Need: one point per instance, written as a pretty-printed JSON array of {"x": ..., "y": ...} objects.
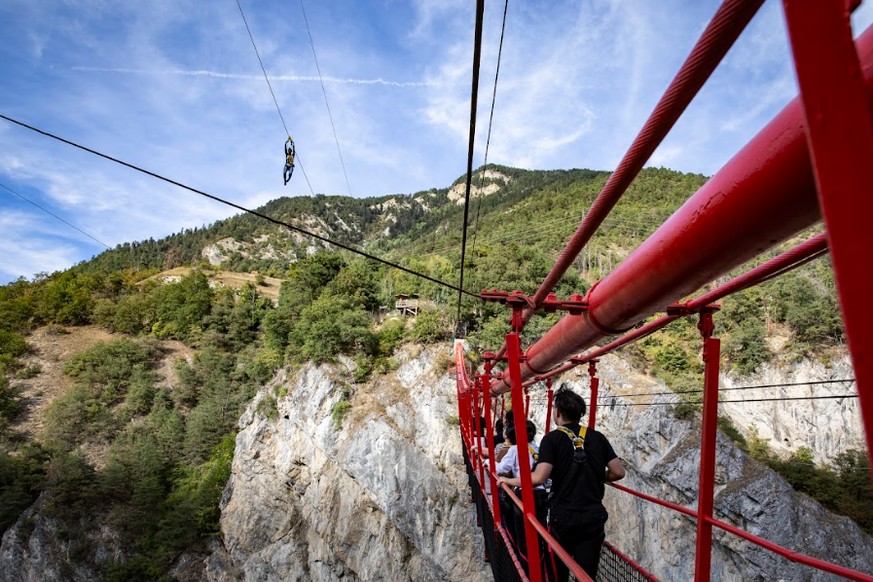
[
  {"x": 431, "y": 325},
  {"x": 12, "y": 344},
  {"x": 330, "y": 326}
]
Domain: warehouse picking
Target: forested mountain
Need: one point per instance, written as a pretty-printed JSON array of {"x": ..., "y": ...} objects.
[{"x": 142, "y": 437}]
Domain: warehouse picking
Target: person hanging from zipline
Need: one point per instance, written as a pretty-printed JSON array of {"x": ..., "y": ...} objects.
[{"x": 289, "y": 159}]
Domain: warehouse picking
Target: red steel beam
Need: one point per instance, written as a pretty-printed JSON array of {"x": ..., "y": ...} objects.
[
  {"x": 839, "y": 130},
  {"x": 766, "y": 544},
  {"x": 808, "y": 250},
  {"x": 709, "y": 433},
  {"x": 765, "y": 194}
]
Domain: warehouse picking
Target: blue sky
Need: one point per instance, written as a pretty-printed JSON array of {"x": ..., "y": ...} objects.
[{"x": 174, "y": 86}]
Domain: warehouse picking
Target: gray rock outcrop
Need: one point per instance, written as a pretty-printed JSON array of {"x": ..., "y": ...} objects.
[
  {"x": 662, "y": 455},
  {"x": 381, "y": 497}
]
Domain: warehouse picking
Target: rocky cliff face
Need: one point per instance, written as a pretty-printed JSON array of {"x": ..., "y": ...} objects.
[
  {"x": 382, "y": 495},
  {"x": 663, "y": 459},
  {"x": 828, "y": 426},
  {"x": 38, "y": 548},
  {"x": 379, "y": 496}
]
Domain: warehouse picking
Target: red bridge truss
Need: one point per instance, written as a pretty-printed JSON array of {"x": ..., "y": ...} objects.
[{"x": 810, "y": 164}]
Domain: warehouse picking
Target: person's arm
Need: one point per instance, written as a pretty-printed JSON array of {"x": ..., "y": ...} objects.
[
  {"x": 538, "y": 477},
  {"x": 614, "y": 470}
]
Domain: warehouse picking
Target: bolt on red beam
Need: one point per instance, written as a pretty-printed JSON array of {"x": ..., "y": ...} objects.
[
  {"x": 765, "y": 194},
  {"x": 721, "y": 33}
]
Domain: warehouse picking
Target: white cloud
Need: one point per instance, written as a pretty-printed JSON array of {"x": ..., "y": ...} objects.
[
  {"x": 175, "y": 87},
  {"x": 257, "y": 78}
]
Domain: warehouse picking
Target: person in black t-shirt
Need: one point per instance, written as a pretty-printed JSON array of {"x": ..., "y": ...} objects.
[{"x": 579, "y": 463}]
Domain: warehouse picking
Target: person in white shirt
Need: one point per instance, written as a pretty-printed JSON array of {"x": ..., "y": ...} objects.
[{"x": 508, "y": 466}]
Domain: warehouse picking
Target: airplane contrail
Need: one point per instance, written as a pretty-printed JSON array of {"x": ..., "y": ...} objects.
[{"x": 291, "y": 78}]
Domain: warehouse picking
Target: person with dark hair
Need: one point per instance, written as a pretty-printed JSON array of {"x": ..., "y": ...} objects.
[
  {"x": 509, "y": 465},
  {"x": 502, "y": 444},
  {"x": 579, "y": 462}
]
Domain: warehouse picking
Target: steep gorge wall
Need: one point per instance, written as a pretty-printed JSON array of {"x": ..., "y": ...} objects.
[
  {"x": 383, "y": 497},
  {"x": 823, "y": 422},
  {"x": 662, "y": 455}
]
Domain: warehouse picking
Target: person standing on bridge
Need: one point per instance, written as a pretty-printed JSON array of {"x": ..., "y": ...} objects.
[{"x": 579, "y": 462}]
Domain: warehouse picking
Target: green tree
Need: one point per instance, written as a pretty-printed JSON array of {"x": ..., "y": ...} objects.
[
  {"x": 315, "y": 272},
  {"x": 358, "y": 283},
  {"x": 12, "y": 344},
  {"x": 182, "y": 306},
  {"x": 10, "y": 403},
  {"x": 743, "y": 316},
  {"x": 108, "y": 368},
  {"x": 197, "y": 491},
  {"x": 431, "y": 325},
  {"x": 330, "y": 326},
  {"x": 21, "y": 480},
  {"x": 71, "y": 485},
  {"x": 811, "y": 311},
  {"x": 855, "y": 490}
]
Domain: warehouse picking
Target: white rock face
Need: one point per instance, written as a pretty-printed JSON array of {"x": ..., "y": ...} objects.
[
  {"x": 219, "y": 252},
  {"x": 383, "y": 497},
  {"x": 827, "y": 426},
  {"x": 457, "y": 193}
]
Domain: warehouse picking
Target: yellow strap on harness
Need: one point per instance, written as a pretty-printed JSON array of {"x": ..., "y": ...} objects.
[{"x": 578, "y": 440}]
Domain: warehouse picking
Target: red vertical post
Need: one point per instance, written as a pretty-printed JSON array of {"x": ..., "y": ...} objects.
[
  {"x": 461, "y": 413},
  {"x": 477, "y": 435},
  {"x": 839, "y": 132},
  {"x": 595, "y": 385},
  {"x": 489, "y": 431},
  {"x": 550, "y": 398},
  {"x": 513, "y": 352},
  {"x": 706, "y": 488}
]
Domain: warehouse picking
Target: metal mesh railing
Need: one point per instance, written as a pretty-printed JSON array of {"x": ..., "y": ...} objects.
[
  {"x": 504, "y": 563},
  {"x": 616, "y": 567}
]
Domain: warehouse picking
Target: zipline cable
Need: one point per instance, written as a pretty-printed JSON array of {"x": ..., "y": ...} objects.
[
  {"x": 364, "y": 254},
  {"x": 733, "y": 401},
  {"x": 326, "y": 104},
  {"x": 490, "y": 125},
  {"x": 264, "y": 69},
  {"x": 788, "y": 384},
  {"x": 474, "y": 100},
  {"x": 270, "y": 85},
  {"x": 50, "y": 213}
]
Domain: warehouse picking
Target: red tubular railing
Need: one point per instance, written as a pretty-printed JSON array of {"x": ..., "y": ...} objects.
[
  {"x": 762, "y": 196},
  {"x": 560, "y": 552},
  {"x": 791, "y": 259},
  {"x": 775, "y": 548}
]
